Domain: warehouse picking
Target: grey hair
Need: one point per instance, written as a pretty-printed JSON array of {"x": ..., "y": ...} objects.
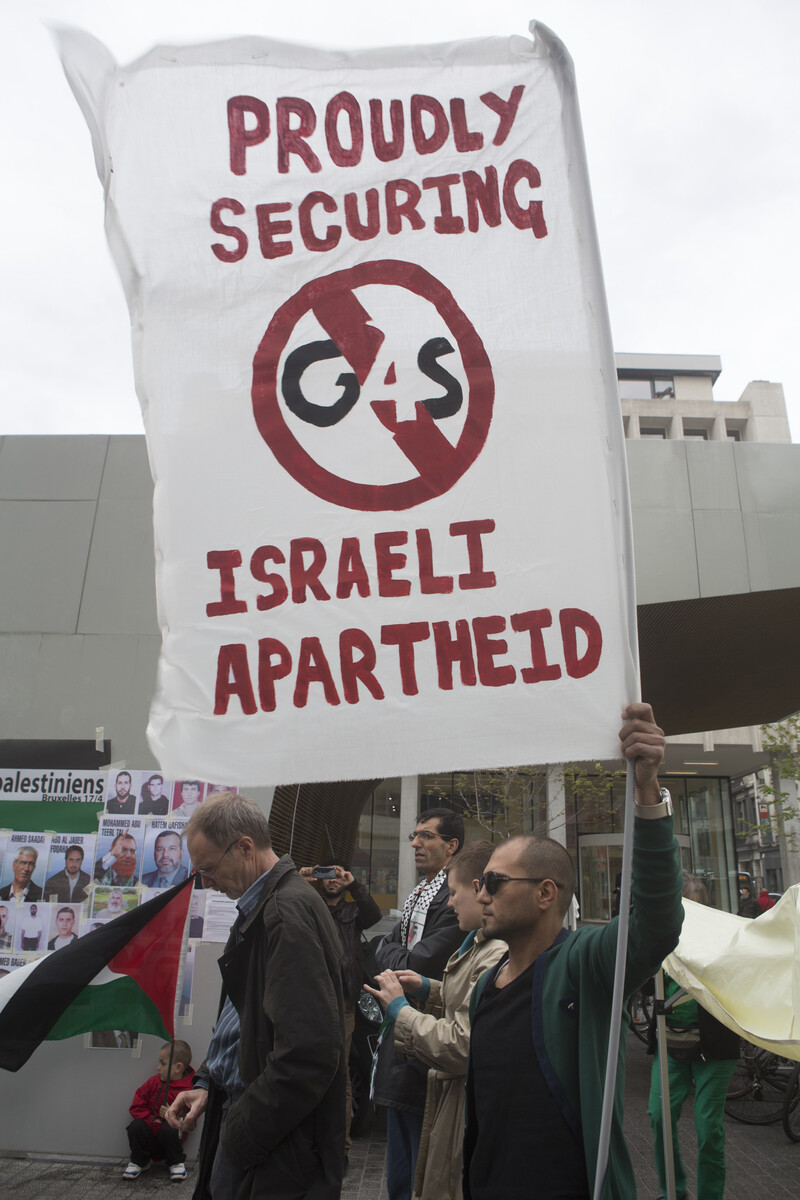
[
  {"x": 694, "y": 889},
  {"x": 226, "y": 816},
  {"x": 27, "y": 850}
]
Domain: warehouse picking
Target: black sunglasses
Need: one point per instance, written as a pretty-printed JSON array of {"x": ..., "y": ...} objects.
[{"x": 491, "y": 881}]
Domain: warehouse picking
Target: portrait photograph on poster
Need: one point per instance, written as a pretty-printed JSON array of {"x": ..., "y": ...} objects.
[
  {"x": 187, "y": 795},
  {"x": 120, "y": 795},
  {"x": 30, "y": 928},
  {"x": 24, "y": 866},
  {"x": 165, "y": 860},
  {"x": 7, "y": 920},
  {"x": 68, "y": 877},
  {"x": 111, "y": 902},
  {"x": 197, "y": 914},
  {"x": 89, "y": 924},
  {"x": 185, "y": 1009},
  {"x": 113, "y": 1039},
  {"x": 119, "y": 851},
  {"x": 154, "y": 795},
  {"x": 65, "y": 922}
]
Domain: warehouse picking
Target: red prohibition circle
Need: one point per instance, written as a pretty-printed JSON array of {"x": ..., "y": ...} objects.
[{"x": 299, "y": 463}]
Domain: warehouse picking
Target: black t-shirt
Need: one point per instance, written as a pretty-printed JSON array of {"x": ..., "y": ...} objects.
[{"x": 524, "y": 1148}]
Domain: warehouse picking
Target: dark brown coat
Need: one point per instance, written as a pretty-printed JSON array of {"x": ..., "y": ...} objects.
[{"x": 284, "y": 979}]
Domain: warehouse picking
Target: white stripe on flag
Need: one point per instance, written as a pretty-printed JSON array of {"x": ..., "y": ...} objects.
[{"x": 14, "y": 980}]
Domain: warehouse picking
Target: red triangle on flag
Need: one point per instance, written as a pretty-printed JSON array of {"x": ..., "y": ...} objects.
[{"x": 153, "y": 956}]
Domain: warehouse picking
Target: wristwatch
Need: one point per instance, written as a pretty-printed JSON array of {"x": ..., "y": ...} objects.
[{"x": 652, "y": 812}]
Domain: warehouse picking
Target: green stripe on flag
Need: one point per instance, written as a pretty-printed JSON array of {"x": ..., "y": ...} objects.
[{"x": 119, "y": 1004}]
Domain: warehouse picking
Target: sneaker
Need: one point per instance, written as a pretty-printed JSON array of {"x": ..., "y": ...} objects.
[
  {"x": 133, "y": 1170},
  {"x": 177, "y": 1173}
]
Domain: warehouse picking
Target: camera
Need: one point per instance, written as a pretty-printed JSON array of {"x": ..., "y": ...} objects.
[{"x": 324, "y": 872}]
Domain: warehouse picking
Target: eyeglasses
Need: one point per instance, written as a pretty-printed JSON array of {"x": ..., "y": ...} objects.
[
  {"x": 210, "y": 874},
  {"x": 491, "y": 881},
  {"x": 425, "y": 835}
]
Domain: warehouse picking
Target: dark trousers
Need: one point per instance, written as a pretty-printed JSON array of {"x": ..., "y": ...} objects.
[
  {"x": 226, "y": 1176},
  {"x": 403, "y": 1134},
  {"x": 349, "y": 1026},
  {"x": 146, "y": 1143}
]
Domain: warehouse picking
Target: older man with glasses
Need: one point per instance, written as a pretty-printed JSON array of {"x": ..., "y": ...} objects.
[
  {"x": 541, "y": 1018},
  {"x": 272, "y": 1086},
  {"x": 422, "y": 941}
]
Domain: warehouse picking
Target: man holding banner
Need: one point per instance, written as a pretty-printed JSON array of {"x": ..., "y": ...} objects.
[{"x": 541, "y": 1019}]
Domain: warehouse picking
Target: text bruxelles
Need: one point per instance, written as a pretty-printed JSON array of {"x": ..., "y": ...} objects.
[{"x": 472, "y": 645}]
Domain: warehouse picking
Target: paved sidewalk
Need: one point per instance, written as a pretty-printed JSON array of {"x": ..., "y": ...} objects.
[{"x": 762, "y": 1163}]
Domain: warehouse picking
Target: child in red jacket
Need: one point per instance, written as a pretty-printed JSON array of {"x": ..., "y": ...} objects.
[{"x": 149, "y": 1134}]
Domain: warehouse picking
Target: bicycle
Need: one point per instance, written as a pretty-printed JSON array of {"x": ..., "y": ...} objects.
[
  {"x": 791, "y": 1106},
  {"x": 759, "y": 1085},
  {"x": 640, "y": 1011}
]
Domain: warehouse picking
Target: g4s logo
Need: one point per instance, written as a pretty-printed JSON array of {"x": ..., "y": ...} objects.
[
  {"x": 325, "y": 415},
  {"x": 376, "y": 333}
]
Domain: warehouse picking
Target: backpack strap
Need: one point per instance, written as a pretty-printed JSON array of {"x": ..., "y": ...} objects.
[{"x": 477, "y": 991}]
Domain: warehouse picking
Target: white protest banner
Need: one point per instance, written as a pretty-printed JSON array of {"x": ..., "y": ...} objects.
[{"x": 372, "y": 352}]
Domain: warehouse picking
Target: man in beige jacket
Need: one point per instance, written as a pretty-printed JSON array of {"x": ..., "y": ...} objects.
[{"x": 437, "y": 1033}]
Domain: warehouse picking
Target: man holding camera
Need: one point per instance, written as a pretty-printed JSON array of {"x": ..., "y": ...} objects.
[{"x": 351, "y": 917}]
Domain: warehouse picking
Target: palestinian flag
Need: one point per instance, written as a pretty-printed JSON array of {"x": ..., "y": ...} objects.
[{"x": 126, "y": 975}]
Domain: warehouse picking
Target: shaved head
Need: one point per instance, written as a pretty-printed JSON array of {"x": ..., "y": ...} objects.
[{"x": 545, "y": 858}]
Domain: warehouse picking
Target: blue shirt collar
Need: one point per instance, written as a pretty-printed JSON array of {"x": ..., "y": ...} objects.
[{"x": 248, "y": 901}]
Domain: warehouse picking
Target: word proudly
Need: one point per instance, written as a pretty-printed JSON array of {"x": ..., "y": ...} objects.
[{"x": 429, "y": 123}]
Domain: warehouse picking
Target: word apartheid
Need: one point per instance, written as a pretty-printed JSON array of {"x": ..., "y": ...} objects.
[{"x": 475, "y": 647}]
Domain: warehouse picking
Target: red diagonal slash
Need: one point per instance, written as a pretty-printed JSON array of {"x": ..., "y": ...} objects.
[
  {"x": 346, "y": 322},
  {"x": 421, "y": 440}
]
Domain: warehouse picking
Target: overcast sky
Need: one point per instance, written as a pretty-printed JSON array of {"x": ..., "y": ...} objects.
[{"x": 690, "y": 117}]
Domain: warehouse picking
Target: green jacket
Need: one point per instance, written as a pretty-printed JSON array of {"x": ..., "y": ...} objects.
[{"x": 571, "y": 1001}]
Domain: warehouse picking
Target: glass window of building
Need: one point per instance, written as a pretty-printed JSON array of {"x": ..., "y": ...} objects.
[
  {"x": 635, "y": 389},
  {"x": 646, "y": 389},
  {"x": 703, "y": 829},
  {"x": 653, "y": 431},
  {"x": 501, "y": 803},
  {"x": 494, "y": 804},
  {"x": 377, "y": 848}
]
